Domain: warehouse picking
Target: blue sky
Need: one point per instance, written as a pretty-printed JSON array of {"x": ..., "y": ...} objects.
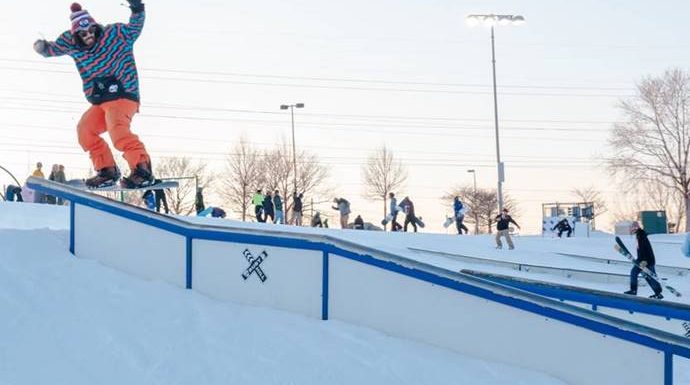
[{"x": 407, "y": 74}]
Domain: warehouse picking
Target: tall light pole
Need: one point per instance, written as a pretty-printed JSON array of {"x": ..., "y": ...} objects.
[
  {"x": 491, "y": 20},
  {"x": 294, "y": 156},
  {"x": 476, "y": 222}
]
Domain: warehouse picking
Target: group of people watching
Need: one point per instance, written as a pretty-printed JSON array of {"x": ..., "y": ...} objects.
[
  {"x": 18, "y": 194},
  {"x": 272, "y": 206}
]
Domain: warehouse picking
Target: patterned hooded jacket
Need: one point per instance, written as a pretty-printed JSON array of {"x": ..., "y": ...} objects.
[{"x": 107, "y": 69}]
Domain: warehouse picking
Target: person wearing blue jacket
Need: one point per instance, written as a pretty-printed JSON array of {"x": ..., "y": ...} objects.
[{"x": 459, "y": 212}]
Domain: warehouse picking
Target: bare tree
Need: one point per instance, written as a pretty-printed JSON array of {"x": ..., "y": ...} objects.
[
  {"x": 250, "y": 169},
  {"x": 653, "y": 144},
  {"x": 594, "y": 196},
  {"x": 244, "y": 171},
  {"x": 181, "y": 199},
  {"x": 383, "y": 174},
  {"x": 481, "y": 206}
]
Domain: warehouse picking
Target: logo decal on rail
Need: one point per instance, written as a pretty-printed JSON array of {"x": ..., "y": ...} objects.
[{"x": 254, "y": 265}]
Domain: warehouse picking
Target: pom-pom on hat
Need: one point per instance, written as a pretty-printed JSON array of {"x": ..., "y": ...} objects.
[{"x": 81, "y": 20}]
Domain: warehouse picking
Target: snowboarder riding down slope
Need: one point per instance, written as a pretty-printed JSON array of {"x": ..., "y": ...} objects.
[{"x": 105, "y": 60}]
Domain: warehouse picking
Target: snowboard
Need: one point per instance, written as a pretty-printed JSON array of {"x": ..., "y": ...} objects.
[
  {"x": 80, "y": 184},
  {"x": 448, "y": 222},
  {"x": 620, "y": 247},
  {"x": 389, "y": 217}
]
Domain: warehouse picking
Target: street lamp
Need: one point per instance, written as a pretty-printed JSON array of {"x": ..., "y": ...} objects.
[
  {"x": 474, "y": 174},
  {"x": 491, "y": 20},
  {"x": 294, "y": 157}
]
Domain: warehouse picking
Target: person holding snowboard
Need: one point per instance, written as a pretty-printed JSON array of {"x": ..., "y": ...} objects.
[
  {"x": 645, "y": 258},
  {"x": 459, "y": 213},
  {"x": 408, "y": 208},
  {"x": 105, "y": 60}
]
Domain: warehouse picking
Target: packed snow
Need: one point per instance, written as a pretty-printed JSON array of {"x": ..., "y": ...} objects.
[{"x": 72, "y": 321}]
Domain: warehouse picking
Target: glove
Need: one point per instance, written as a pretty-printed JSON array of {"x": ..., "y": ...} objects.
[
  {"x": 40, "y": 46},
  {"x": 136, "y": 6},
  {"x": 643, "y": 264}
]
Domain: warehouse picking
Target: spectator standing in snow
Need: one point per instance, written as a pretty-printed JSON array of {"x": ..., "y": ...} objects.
[
  {"x": 459, "y": 212},
  {"x": 50, "y": 199},
  {"x": 410, "y": 218},
  {"x": 343, "y": 207},
  {"x": 563, "y": 226},
  {"x": 393, "y": 211},
  {"x": 199, "y": 200},
  {"x": 297, "y": 209},
  {"x": 278, "y": 204},
  {"x": 258, "y": 202},
  {"x": 60, "y": 178},
  {"x": 38, "y": 173},
  {"x": 268, "y": 207},
  {"x": 161, "y": 198},
  {"x": 502, "y": 226},
  {"x": 645, "y": 258}
]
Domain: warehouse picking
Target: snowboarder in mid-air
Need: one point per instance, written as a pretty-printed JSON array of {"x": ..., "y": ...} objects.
[{"x": 105, "y": 61}]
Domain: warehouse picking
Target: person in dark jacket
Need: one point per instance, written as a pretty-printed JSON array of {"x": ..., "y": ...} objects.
[
  {"x": 161, "y": 198},
  {"x": 269, "y": 211},
  {"x": 278, "y": 204},
  {"x": 316, "y": 220},
  {"x": 408, "y": 208},
  {"x": 645, "y": 258},
  {"x": 502, "y": 226},
  {"x": 563, "y": 226},
  {"x": 359, "y": 223},
  {"x": 297, "y": 209},
  {"x": 14, "y": 193},
  {"x": 199, "y": 200}
]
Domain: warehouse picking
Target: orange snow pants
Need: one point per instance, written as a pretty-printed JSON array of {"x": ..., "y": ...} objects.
[{"x": 115, "y": 118}]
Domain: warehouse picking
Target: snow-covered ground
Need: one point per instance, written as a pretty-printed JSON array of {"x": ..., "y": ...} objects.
[{"x": 72, "y": 321}]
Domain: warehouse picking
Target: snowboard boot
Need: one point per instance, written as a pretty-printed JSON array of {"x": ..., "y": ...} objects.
[
  {"x": 631, "y": 292},
  {"x": 656, "y": 296},
  {"x": 141, "y": 176},
  {"x": 105, "y": 177}
]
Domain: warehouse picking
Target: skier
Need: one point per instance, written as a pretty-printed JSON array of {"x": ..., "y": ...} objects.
[
  {"x": 459, "y": 212},
  {"x": 502, "y": 222},
  {"x": 343, "y": 206},
  {"x": 268, "y": 207},
  {"x": 297, "y": 209},
  {"x": 563, "y": 226},
  {"x": 105, "y": 61},
  {"x": 645, "y": 258},
  {"x": 258, "y": 202},
  {"x": 278, "y": 204}
]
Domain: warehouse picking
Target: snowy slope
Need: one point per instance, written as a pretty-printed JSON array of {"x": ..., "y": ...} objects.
[{"x": 71, "y": 321}]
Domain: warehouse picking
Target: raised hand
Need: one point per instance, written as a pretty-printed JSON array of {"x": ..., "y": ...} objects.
[
  {"x": 136, "y": 5},
  {"x": 40, "y": 46}
]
